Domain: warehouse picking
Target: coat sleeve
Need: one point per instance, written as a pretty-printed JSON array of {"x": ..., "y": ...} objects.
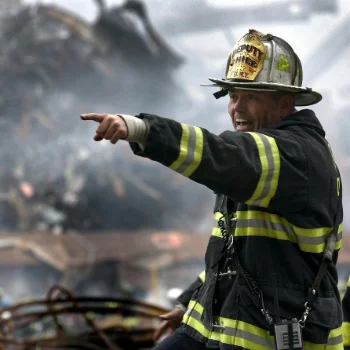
[
  {"x": 186, "y": 295},
  {"x": 346, "y": 317},
  {"x": 247, "y": 167}
]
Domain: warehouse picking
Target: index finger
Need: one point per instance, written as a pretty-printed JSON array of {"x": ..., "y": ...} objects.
[
  {"x": 97, "y": 117},
  {"x": 160, "y": 330}
]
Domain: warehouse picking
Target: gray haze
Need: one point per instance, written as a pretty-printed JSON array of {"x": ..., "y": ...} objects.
[
  {"x": 205, "y": 53},
  {"x": 87, "y": 186}
]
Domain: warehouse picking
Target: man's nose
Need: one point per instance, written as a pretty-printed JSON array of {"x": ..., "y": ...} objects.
[{"x": 240, "y": 105}]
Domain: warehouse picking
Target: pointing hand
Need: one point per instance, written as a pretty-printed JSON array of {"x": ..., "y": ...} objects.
[{"x": 112, "y": 127}]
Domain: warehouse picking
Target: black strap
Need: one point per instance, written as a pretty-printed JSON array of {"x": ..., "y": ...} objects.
[
  {"x": 327, "y": 253},
  {"x": 250, "y": 281},
  {"x": 221, "y": 93},
  {"x": 290, "y": 335}
]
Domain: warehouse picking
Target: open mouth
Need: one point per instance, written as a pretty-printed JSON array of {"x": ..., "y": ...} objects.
[{"x": 243, "y": 124}]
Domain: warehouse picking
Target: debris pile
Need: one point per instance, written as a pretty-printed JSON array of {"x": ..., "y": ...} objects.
[
  {"x": 55, "y": 66},
  {"x": 64, "y": 321}
]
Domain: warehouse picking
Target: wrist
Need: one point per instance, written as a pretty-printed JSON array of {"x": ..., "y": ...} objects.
[
  {"x": 183, "y": 308},
  {"x": 137, "y": 128}
]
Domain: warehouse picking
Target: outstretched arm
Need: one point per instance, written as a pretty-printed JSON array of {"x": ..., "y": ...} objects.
[{"x": 246, "y": 166}]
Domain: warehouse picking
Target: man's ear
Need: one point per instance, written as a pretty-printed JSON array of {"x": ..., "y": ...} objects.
[{"x": 287, "y": 105}]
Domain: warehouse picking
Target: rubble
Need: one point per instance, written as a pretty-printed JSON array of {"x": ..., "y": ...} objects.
[
  {"x": 64, "y": 321},
  {"x": 55, "y": 66}
]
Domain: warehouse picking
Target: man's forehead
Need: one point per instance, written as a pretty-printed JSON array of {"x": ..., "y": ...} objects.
[{"x": 249, "y": 92}]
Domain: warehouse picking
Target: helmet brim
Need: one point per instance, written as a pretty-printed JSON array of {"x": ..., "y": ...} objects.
[{"x": 303, "y": 96}]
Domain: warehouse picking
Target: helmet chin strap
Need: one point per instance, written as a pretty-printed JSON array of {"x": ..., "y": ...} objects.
[{"x": 221, "y": 93}]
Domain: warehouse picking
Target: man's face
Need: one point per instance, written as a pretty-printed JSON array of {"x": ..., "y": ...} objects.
[{"x": 254, "y": 110}]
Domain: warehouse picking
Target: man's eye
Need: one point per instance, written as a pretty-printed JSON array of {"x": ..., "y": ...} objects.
[
  {"x": 234, "y": 97},
  {"x": 251, "y": 98}
]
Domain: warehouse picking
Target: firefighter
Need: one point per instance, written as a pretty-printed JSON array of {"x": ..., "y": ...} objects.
[
  {"x": 346, "y": 315},
  {"x": 270, "y": 278}
]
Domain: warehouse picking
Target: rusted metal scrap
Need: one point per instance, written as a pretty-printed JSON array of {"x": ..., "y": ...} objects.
[{"x": 66, "y": 321}]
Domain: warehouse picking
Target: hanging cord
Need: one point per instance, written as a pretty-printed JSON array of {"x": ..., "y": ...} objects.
[{"x": 224, "y": 231}]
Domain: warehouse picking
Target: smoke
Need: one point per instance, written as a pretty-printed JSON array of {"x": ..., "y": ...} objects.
[
  {"x": 55, "y": 177},
  {"x": 89, "y": 186},
  {"x": 60, "y": 179}
]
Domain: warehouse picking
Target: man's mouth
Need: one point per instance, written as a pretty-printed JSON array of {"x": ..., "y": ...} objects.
[{"x": 243, "y": 124}]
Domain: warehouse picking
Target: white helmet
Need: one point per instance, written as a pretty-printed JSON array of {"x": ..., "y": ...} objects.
[{"x": 264, "y": 62}]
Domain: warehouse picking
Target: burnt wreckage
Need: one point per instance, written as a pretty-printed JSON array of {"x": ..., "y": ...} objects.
[
  {"x": 55, "y": 66},
  {"x": 64, "y": 321}
]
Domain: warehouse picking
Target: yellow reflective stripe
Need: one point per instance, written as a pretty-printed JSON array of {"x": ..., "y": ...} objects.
[
  {"x": 201, "y": 276},
  {"x": 262, "y": 224},
  {"x": 191, "y": 150},
  {"x": 312, "y": 346},
  {"x": 183, "y": 147},
  {"x": 217, "y": 216},
  {"x": 264, "y": 169},
  {"x": 346, "y": 333},
  {"x": 227, "y": 322},
  {"x": 274, "y": 218},
  {"x": 197, "y": 325},
  {"x": 239, "y": 340},
  {"x": 270, "y": 170},
  {"x": 335, "y": 341},
  {"x": 236, "y": 332},
  {"x": 256, "y": 223},
  {"x": 246, "y": 335},
  {"x": 216, "y": 230},
  {"x": 348, "y": 282},
  {"x": 338, "y": 244},
  {"x": 195, "y": 306},
  {"x": 198, "y": 153},
  {"x": 241, "y": 337}
]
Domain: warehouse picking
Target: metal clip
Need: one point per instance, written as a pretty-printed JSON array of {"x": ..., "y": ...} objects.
[
  {"x": 265, "y": 311},
  {"x": 221, "y": 328},
  {"x": 230, "y": 244},
  {"x": 229, "y": 273},
  {"x": 305, "y": 315},
  {"x": 267, "y": 316},
  {"x": 234, "y": 221}
]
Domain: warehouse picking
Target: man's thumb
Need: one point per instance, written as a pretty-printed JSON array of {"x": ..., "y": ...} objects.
[
  {"x": 166, "y": 317},
  {"x": 98, "y": 138}
]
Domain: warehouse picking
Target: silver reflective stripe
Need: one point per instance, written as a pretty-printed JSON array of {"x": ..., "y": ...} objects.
[
  {"x": 335, "y": 340},
  {"x": 194, "y": 313},
  {"x": 190, "y": 151},
  {"x": 269, "y": 157},
  {"x": 221, "y": 329},
  {"x": 253, "y": 223},
  {"x": 271, "y": 170},
  {"x": 251, "y": 337},
  {"x": 263, "y": 224}
]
